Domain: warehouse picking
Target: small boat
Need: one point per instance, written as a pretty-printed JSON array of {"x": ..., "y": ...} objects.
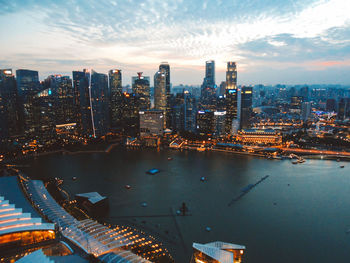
[
  {"x": 208, "y": 229},
  {"x": 127, "y": 186},
  {"x": 169, "y": 158},
  {"x": 144, "y": 204},
  {"x": 342, "y": 166},
  {"x": 202, "y": 179},
  {"x": 74, "y": 178},
  {"x": 295, "y": 162}
]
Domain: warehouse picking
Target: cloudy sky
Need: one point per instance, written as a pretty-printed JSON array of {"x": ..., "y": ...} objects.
[{"x": 272, "y": 41}]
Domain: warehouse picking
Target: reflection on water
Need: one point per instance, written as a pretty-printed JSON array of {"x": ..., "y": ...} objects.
[{"x": 299, "y": 214}]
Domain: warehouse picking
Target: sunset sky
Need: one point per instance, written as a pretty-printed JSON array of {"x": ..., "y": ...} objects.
[{"x": 272, "y": 41}]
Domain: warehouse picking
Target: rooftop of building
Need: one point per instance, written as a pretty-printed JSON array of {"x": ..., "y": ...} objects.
[
  {"x": 10, "y": 190},
  {"x": 219, "y": 251},
  {"x": 258, "y": 131},
  {"x": 93, "y": 197}
]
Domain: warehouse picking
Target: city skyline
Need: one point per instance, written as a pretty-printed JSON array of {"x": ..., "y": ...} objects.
[{"x": 292, "y": 42}]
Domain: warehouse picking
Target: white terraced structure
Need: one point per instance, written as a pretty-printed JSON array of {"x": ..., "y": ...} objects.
[
  {"x": 88, "y": 234},
  {"x": 13, "y": 220}
]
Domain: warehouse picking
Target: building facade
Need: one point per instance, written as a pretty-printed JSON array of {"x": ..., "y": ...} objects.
[
  {"x": 151, "y": 123},
  {"x": 9, "y": 118},
  {"x": 259, "y": 136},
  {"x": 160, "y": 93},
  {"x": 28, "y": 86},
  {"x": 116, "y": 93},
  {"x": 165, "y": 67},
  {"x": 81, "y": 82},
  {"x": 141, "y": 88},
  {"x": 231, "y": 98},
  {"x": 99, "y": 104},
  {"x": 246, "y": 106},
  {"x": 205, "y": 122}
]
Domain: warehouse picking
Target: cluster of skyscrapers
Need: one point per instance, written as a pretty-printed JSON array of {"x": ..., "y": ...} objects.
[{"x": 92, "y": 105}]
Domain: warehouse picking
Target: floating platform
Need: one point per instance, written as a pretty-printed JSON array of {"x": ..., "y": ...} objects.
[
  {"x": 153, "y": 171},
  {"x": 93, "y": 203}
]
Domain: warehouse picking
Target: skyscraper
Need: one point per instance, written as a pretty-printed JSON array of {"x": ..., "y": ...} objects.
[
  {"x": 205, "y": 122},
  {"x": 9, "y": 119},
  {"x": 343, "y": 109},
  {"x": 99, "y": 104},
  {"x": 62, "y": 91},
  {"x": 246, "y": 106},
  {"x": 305, "y": 111},
  {"x": 44, "y": 116},
  {"x": 141, "y": 88},
  {"x": 116, "y": 93},
  {"x": 130, "y": 114},
  {"x": 164, "y": 67},
  {"x": 231, "y": 99},
  {"x": 160, "y": 94},
  {"x": 28, "y": 86},
  {"x": 208, "y": 91},
  {"x": 81, "y": 81}
]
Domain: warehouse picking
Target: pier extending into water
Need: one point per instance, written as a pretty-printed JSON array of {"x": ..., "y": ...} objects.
[{"x": 246, "y": 190}]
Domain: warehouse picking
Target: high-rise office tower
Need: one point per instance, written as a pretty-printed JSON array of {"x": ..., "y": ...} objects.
[
  {"x": 44, "y": 116},
  {"x": 9, "y": 119},
  {"x": 164, "y": 67},
  {"x": 232, "y": 122},
  {"x": 343, "y": 108},
  {"x": 331, "y": 105},
  {"x": 116, "y": 98},
  {"x": 28, "y": 86},
  {"x": 246, "y": 106},
  {"x": 62, "y": 91},
  {"x": 222, "y": 88},
  {"x": 210, "y": 72},
  {"x": 99, "y": 104},
  {"x": 305, "y": 111},
  {"x": 208, "y": 91},
  {"x": 305, "y": 93},
  {"x": 219, "y": 122},
  {"x": 141, "y": 88},
  {"x": 160, "y": 95},
  {"x": 81, "y": 81},
  {"x": 296, "y": 101},
  {"x": 130, "y": 114},
  {"x": 205, "y": 122},
  {"x": 190, "y": 111}
]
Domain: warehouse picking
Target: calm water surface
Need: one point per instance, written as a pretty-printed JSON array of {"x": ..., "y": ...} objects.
[{"x": 299, "y": 214}]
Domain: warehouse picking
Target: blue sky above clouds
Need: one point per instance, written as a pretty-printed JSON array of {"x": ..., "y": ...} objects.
[{"x": 273, "y": 41}]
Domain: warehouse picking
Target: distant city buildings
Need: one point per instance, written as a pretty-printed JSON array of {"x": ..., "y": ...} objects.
[{"x": 91, "y": 105}]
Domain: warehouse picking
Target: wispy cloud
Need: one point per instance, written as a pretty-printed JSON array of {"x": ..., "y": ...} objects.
[{"x": 136, "y": 35}]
